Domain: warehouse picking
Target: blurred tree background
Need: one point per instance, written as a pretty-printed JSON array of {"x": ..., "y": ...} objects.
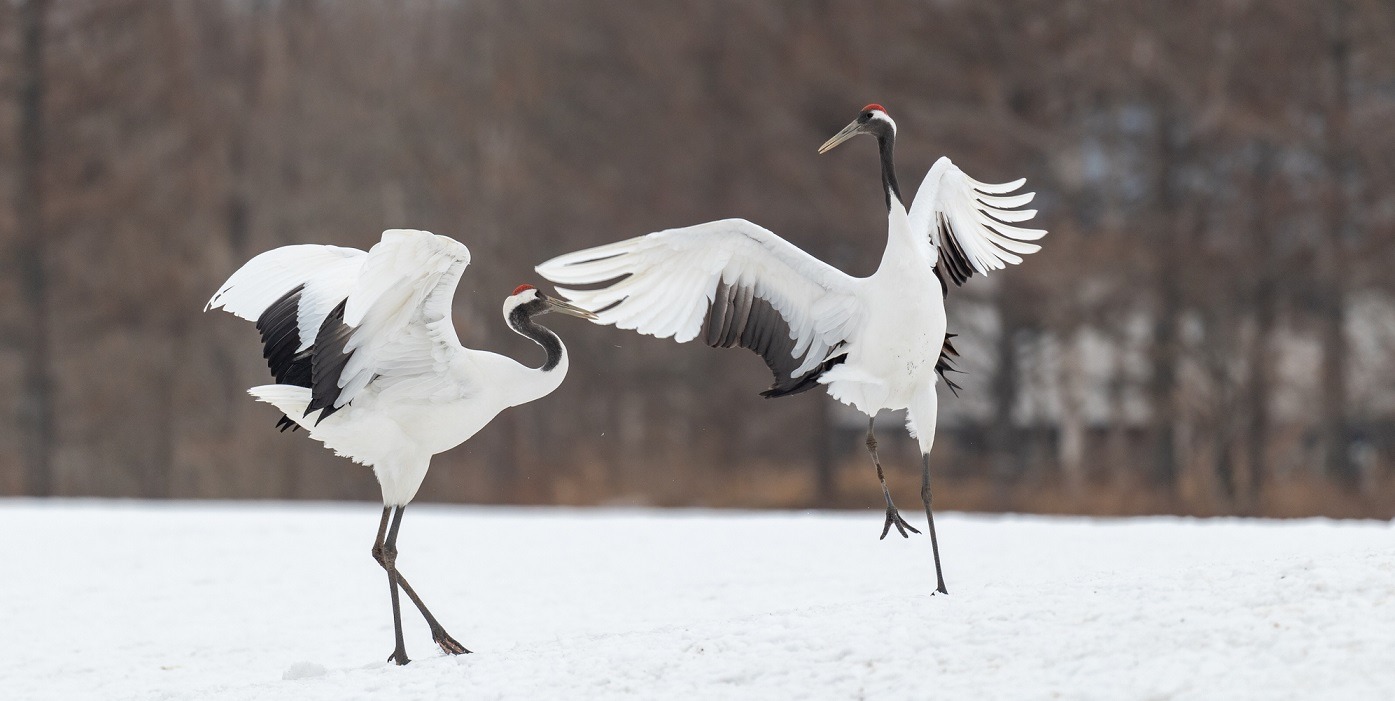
[{"x": 1209, "y": 328}]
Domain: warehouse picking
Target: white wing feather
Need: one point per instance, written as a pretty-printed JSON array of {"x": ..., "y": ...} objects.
[
  {"x": 970, "y": 223},
  {"x": 671, "y": 278},
  {"x": 327, "y": 273},
  {"x": 399, "y": 312}
]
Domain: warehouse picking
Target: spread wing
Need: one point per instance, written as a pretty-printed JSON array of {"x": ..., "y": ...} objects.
[
  {"x": 970, "y": 223},
  {"x": 394, "y": 328},
  {"x": 730, "y": 282},
  {"x": 288, "y": 292}
]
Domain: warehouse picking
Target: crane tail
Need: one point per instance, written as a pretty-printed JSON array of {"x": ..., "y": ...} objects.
[{"x": 291, "y": 400}]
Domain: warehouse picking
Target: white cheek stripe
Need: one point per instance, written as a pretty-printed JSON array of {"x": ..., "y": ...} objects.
[{"x": 878, "y": 114}]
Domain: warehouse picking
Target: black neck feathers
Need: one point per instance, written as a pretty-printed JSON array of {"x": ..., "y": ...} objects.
[
  {"x": 886, "y": 140},
  {"x": 521, "y": 319}
]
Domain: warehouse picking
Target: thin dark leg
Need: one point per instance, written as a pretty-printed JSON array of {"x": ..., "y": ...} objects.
[
  {"x": 388, "y": 560},
  {"x": 930, "y": 518},
  {"x": 386, "y": 555},
  {"x": 893, "y": 517}
]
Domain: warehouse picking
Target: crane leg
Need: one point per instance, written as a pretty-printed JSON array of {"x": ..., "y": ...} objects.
[
  {"x": 930, "y": 518},
  {"x": 386, "y": 558},
  {"x": 893, "y": 517},
  {"x": 385, "y": 552}
]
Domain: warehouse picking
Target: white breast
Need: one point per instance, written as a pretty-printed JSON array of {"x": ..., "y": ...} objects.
[{"x": 894, "y": 354}]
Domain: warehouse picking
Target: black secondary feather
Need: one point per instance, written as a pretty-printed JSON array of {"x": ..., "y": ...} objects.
[
  {"x": 739, "y": 318},
  {"x": 281, "y": 339}
]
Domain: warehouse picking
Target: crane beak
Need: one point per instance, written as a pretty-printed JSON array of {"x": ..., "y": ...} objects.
[
  {"x": 848, "y": 132},
  {"x": 557, "y": 305}
]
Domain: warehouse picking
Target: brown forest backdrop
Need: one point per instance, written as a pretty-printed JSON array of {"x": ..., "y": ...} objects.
[{"x": 1210, "y": 327}]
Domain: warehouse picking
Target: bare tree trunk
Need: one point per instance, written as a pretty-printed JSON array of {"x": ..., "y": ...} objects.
[
  {"x": 1260, "y": 391},
  {"x": 1260, "y": 386},
  {"x": 1163, "y": 384},
  {"x": 1333, "y": 298},
  {"x": 1121, "y": 468},
  {"x": 825, "y": 487},
  {"x": 1226, "y": 473},
  {"x": 158, "y": 475},
  {"x": 1007, "y": 381},
  {"x": 1166, "y": 353},
  {"x": 36, "y": 402},
  {"x": 1071, "y": 448}
]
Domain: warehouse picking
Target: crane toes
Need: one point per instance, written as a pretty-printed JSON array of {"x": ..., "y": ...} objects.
[
  {"x": 398, "y": 657},
  {"x": 449, "y": 644},
  {"x": 893, "y": 518}
]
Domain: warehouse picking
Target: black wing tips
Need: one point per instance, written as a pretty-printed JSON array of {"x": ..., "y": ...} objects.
[
  {"x": 738, "y": 318},
  {"x": 952, "y": 261}
]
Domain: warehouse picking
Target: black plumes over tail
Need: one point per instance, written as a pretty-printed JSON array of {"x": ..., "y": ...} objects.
[{"x": 946, "y": 363}]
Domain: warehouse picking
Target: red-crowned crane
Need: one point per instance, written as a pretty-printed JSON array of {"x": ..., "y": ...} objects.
[
  {"x": 875, "y": 343},
  {"x": 366, "y": 359}
]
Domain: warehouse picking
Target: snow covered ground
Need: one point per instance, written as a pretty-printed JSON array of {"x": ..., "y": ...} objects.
[{"x": 136, "y": 600}]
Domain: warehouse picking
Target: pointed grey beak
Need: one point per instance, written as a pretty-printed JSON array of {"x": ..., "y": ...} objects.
[
  {"x": 557, "y": 305},
  {"x": 848, "y": 132}
]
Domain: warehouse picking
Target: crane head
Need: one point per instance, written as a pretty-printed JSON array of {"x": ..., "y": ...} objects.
[
  {"x": 873, "y": 119},
  {"x": 539, "y": 303}
]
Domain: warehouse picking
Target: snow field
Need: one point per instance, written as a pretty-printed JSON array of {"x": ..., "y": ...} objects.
[{"x": 197, "y": 600}]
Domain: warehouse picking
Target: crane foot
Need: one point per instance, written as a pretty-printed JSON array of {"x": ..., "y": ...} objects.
[
  {"x": 893, "y": 518},
  {"x": 448, "y": 644},
  {"x": 398, "y": 657}
]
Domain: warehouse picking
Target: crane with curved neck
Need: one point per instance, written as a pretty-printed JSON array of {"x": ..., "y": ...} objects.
[{"x": 366, "y": 359}]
